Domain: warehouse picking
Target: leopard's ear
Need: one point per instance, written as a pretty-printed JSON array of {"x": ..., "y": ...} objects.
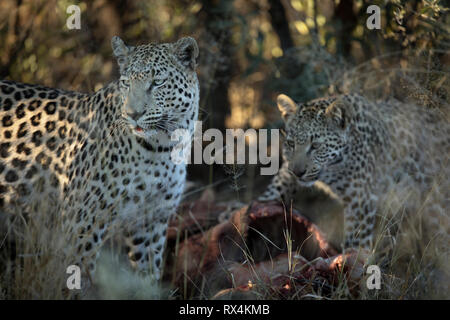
[
  {"x": 121, "y": 51},
  {"x": 186, "y": 51},
  {"x": 286, "y": 106},
  {"x": 337, "y": 113}
]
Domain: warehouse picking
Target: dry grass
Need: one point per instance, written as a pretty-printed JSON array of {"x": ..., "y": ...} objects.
[
  {"x": 413, "y": 265},
  {"x": 33, "y": 256}
]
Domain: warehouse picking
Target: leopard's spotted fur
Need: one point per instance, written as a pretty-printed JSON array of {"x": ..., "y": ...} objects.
[
  {"x": 105, "y": 157},
  {"x": 367, "y": 152}
]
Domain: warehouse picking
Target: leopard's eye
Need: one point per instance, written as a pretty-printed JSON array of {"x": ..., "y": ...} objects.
[
  {"x": 315, "y": 145},
  {"x": 159, "y": 82},
  {"x": 124, "y": 81},
  {"x": 290, "y": 143}
]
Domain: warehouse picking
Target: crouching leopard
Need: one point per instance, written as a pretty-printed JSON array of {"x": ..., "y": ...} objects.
[
  {"x": 105, "y": 157},
  {"x": 366, "y": 152}
]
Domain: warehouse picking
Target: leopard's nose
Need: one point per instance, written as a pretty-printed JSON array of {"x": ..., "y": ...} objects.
[
  {"x": 299, "y": 172},
  {"x": 135, "y": 115}
]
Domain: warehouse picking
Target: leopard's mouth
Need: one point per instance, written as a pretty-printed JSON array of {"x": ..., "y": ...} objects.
[
  {"x": 151, "y": 129},
  {"x": 147, "y": 132},
  {"x": 309, "y": 179},
  {"x": 160, "y": 125}
]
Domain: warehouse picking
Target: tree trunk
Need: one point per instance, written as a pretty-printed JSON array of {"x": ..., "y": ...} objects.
[
  {"x": 280, "y": 24},
  {"x": 217, "y": 16},
  {"x": 347, "y": 21}
]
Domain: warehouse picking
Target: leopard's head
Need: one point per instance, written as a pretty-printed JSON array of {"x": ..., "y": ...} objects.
[
  {"x": 316, "y": 136},
  {"x": 159, "y": 87}
]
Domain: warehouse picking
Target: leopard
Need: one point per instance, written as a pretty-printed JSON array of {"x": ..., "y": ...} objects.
[
  {"x": 104, "y": 158},
  {"x": 367, "y": 152}
]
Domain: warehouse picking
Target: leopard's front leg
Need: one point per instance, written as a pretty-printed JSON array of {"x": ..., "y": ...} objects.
[
  {"x": 145, "y": 241},
  {"x": 283, "y": 187},
  {"x": 84, "y": 236},
  {"x": 359, "y": 217}
]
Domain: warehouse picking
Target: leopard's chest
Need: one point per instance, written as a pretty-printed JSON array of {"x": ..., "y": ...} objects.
[{"x": 151, "y": 189}]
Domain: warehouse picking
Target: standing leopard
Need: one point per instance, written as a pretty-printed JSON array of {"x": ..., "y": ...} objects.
[
  {"x": 105, "y": 157},
  {"x": 365, "y": 152}
]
